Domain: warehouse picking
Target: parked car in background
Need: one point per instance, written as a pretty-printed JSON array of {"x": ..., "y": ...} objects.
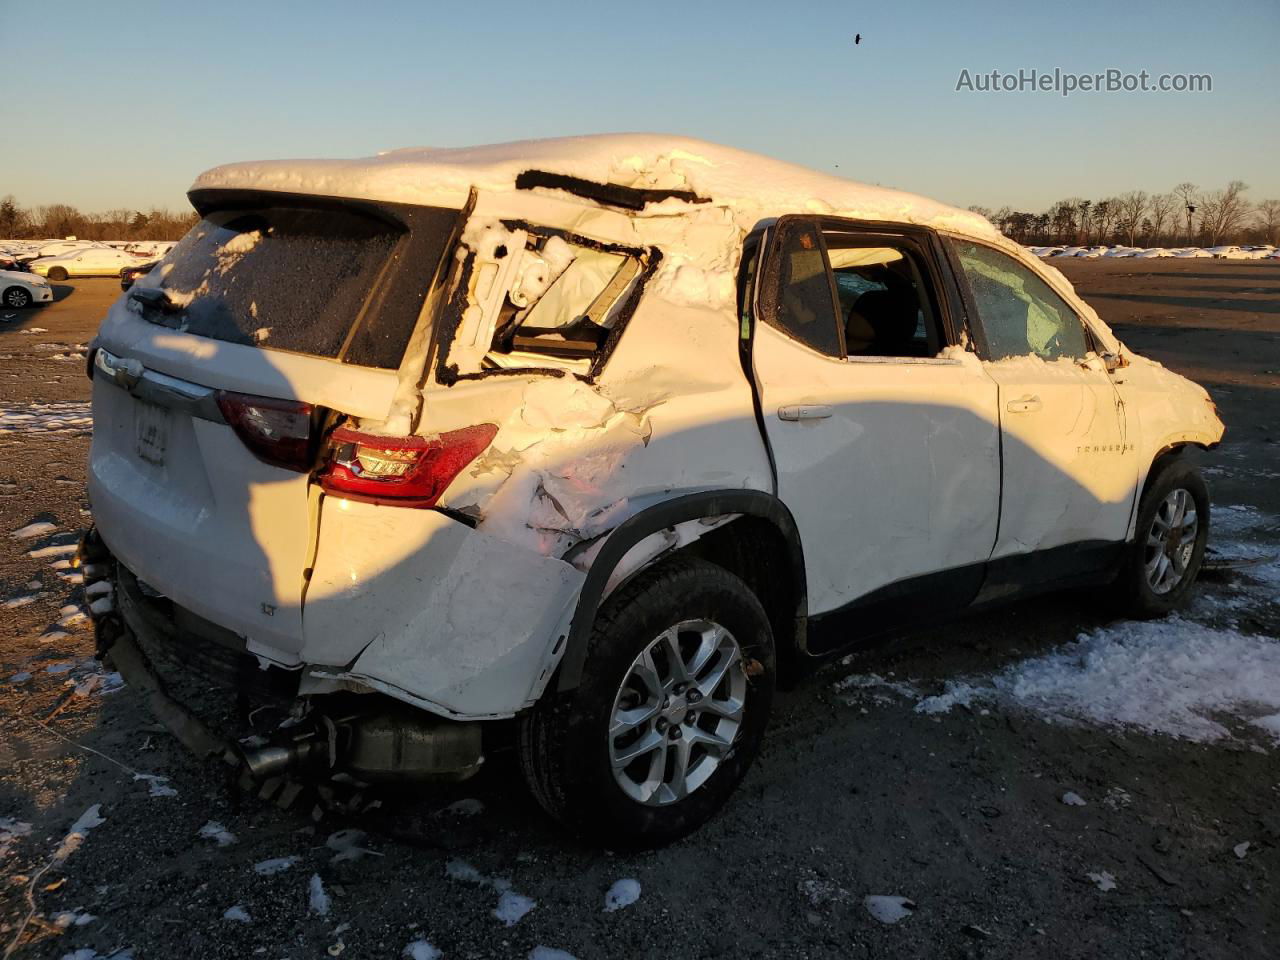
[
  {"x": 86, "y": 262},
  {"x": 57, "y": 248},
  {"x": 20, "y": 289},
  {"x": 131, "y": 273},
  {"x": 587, "y": 453}
]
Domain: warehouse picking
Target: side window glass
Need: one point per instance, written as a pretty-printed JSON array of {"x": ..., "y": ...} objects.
[
  {"x": 799, "y": 299},
  {"x": 1020, "y": 313},
  {"x": 885, "y": 299}
]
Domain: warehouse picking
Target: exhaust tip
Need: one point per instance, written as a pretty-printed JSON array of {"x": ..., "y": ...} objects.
[{"x": 266, "y": 762}]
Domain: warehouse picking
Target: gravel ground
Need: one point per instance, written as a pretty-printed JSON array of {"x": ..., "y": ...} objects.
[{"x": 858, "y": 793}]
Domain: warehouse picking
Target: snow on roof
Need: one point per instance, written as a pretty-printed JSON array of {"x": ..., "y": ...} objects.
[{"x": 751, "y": 184}]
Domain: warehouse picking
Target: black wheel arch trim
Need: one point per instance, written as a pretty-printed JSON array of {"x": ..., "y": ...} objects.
[{"x": 693, "y": 506}]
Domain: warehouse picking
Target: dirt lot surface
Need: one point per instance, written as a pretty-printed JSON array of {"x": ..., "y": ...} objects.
[{"x": 1174, "y": 852}]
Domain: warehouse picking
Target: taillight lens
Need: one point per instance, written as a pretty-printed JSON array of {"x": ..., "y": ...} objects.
[
  {"x": 277, "y": 432},
  {"x": 400, "y": 471}
]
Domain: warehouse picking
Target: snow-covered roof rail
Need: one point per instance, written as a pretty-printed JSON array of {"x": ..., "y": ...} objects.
[{"x": 642, "y": 169}]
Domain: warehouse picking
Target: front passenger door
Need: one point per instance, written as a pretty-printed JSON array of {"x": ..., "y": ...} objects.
[{"x": 1068, "y": 472}]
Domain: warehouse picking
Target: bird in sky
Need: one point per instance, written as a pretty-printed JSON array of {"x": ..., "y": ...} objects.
[{"x": 857, "y": 39}]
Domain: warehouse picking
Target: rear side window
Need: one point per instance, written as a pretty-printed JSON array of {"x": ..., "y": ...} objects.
[
  {"x": 316, "y": 281},
  {"x": 1020, "y": 313},
  {"x": 799, "y": 299}
]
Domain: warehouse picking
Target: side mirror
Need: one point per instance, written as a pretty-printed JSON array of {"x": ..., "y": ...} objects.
[{"x": 1113, "y": 361}]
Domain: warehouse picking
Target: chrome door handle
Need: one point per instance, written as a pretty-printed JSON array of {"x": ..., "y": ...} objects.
[
  {"x": 1023, "y": 405},
  {"x": 805, "y": 411}
]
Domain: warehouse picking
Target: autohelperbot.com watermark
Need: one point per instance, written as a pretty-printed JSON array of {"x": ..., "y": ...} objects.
[{"x": 1065, "y": 82}]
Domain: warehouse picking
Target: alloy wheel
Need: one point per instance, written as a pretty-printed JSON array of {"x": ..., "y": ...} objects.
[
  {"x": 1171, "y": 541},
  {"x": 677, "y": 712}
]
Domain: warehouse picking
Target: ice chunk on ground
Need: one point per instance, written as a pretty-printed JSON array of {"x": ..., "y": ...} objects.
[
  {"x": 215, "y": 831},
  {"x": 237, "y": 913},
  {"x": 318, "y": 899},
  {"x": 1241, "y": 850},
  {"x": 347, "y": 844},
  {"x": 512, "y": 907},
  {"x": 1103, "y": 880},
  {"x": 54, "y": 550},
  {"x": 14, "y": 602},
  {"x": 622, "y": 894},
  {"x": 32, "y": 530},
  {"x": 1073, "y": 799},
  {"x": 550, "y": 953},
  {"x": 72, "y": 918},
  {"x": 421, "y": 950},
  {"x": 889, "y": 909},
  {"x": 267, "y": 868},
  {"x": 22, "y": 676},
  {"x": 10, "y": 830},
  {"x": 467, "y": 807},
  {"x": 79, "y": 831},
  {"x": 159, "y": 786}
]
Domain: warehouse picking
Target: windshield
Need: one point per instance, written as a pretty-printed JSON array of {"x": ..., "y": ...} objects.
[{"x": 324, "y": 281}]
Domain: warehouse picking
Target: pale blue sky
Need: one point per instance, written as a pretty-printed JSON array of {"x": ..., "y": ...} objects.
[{"x": 121, "y": 104}]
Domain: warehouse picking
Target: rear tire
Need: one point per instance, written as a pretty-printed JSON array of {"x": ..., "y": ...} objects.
[
  {"x": 58, "y": 273},
  {"x": 689, "y": 753},
  {"x": 17, "y": 298},
  {"x": 1161, "y": 565}
]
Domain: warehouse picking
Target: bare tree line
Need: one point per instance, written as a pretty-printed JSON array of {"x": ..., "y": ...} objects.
[
  {"x": 57, "y": 220},
  {"x": 1185, "y": 216}
]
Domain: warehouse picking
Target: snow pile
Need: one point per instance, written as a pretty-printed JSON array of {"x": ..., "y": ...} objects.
[
  {"x": 724, "y": 175},
  {"x": 421, "y": 950},
  {"x": 69, "y": 417},
  {"x": 216, "y": 832},
  {"x": 1166, "y": 676},
  {"x": 317, "y": 896}
]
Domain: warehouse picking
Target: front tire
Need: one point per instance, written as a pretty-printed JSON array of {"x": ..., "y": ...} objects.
[
  {"x": 1162, "y": 563},
  {"x": 671, "y": 710},
  {"x": 17, "y": 298},
  {"x": 58, "y": 273}
]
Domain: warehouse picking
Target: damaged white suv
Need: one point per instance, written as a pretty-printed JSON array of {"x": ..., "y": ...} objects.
[{"x": 591, "y": 437}]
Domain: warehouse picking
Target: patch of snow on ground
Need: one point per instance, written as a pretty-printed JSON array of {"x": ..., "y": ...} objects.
[
  {"x": 267, "y": 868},
  {"x": 70, "y": 417},
  {"x": 512, "y": 907},
  {"x": 550, "y": 953},
  {"x": 956, "y": 694},
  {"x": 10, "y": 831},
  {"x": 237, "y": 913},
  {"x": 622, "y": 894},
  {"x": 32, "y": 530},
  {"x": 1103, "y": 880},
  {"x": 347, "y": 844},
  {"x": 1163, "y": 676},
  {"x": 216, "y": 832},
  {"x": 1072, "y": 799},
  {"x": 421, "y": 950},
  {"x": 889, "y": 909},
  {"x": 317, "y": 897},
  {"x": 158, "y": 786}
]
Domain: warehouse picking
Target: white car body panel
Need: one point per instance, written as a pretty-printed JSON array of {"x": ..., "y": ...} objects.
[
  {"x": 87, "y": 262},
  {"x": 901, "y": 480},
  {"x": 1070, "y": 474}
]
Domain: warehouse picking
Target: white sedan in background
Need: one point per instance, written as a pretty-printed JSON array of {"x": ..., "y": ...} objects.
[
  {"x": 19, "y": 289},
  {"x": 89, "y": 262}
]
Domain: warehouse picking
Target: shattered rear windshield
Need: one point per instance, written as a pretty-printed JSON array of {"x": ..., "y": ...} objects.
[{"x": 312, "y": 281}]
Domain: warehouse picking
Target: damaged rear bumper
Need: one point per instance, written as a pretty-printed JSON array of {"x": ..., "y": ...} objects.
[{"x": 369, "y": 737}]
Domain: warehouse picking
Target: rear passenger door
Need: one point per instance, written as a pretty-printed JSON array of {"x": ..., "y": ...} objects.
[
  {"x": 1069, "y": 473},
  {"x": 883, "y": 433}
]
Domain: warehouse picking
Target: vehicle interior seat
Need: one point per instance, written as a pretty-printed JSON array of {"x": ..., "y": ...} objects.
[{"x": 883, "y": 323}]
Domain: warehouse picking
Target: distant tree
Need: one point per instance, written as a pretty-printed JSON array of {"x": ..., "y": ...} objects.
[
  {"x": 1162, "y": 211},
  {"x": 139, "y": 222},
  {"x": 1224, "y": 211},
  {"x": 12, "y": 218},
  {"x": 1131, "y": 207},
  {"x": 1104, "y": 218},
  {"x": 1084, "y": 206},
  {"x": 1189, "y": 195},
  {"x": 1268, "y": 219}
]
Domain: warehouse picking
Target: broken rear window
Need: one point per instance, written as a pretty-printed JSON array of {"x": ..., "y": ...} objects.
[
  {"x": 537, "y": 301},
  {"x": 318, "y": 281}
]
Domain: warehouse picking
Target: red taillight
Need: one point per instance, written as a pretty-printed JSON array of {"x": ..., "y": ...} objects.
[
  {"x": 402, "y": 471},
  {"x": 277, "y": 432}
]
